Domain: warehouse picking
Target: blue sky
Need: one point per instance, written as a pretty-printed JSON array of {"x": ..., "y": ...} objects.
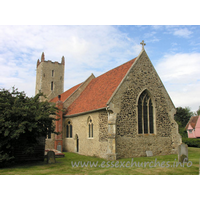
[{"x": 173, "y": 50}]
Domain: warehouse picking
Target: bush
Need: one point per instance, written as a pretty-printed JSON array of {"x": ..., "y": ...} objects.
[
  {"x": 191, "y": 142},
  {"x": 22, "y": 121}
]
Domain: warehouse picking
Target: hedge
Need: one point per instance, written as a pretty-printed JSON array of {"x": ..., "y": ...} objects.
[{"x": 191, "y": 142}]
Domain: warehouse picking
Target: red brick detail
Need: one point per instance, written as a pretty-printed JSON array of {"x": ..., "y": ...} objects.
[
  {"x": 192, "y": 122},
  {"x": 66, "y": 94},
  {"x": 58, "y": 138}
]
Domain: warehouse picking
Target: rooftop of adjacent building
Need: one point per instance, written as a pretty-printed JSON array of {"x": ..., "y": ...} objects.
[{"x": 192, "y": 122}]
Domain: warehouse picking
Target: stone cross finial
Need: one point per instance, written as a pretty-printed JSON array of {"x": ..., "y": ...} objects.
[{"x": 143, "y": 44}]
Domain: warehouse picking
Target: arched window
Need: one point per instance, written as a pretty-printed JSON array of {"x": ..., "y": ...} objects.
[
  {"x": 51, "y": 85},
  {"x": 145, "y": 114},
  {"x": 90, "y": 128},
  {"x": 69, "y": 130}
]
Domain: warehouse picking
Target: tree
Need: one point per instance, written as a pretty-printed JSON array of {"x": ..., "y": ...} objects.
[
  {"x": 23, "y": 120},
  {"x": 198, "y": 111},
  {"x": 182, "y": 117}
]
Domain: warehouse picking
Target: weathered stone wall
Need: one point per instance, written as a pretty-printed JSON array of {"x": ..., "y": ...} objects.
[
  {"x": 165, "y": 138},
  {"x": 103, "y": 126},
  {"x": 95, "y": 146},
  {"x": 44, "y": 78},
  {"x": 49, "y": 143}
]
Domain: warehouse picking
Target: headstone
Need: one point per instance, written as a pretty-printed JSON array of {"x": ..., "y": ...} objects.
[
  {"x": 59, "y": 148},
  {"x": 149, "y": 153},
  {"x": 183, "y": 153},
  {"x": 199, "y": 166},
  {"x": 51, "y": 157}
]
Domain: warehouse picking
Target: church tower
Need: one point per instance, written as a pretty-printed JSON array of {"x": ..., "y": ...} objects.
[{"x": 50, "y": 77}]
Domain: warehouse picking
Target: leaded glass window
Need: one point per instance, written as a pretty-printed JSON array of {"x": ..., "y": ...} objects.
[{"x": 145, "y": 114}]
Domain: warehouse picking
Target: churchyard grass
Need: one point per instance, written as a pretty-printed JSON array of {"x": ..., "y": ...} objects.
[{"x": 63, "y": 166}]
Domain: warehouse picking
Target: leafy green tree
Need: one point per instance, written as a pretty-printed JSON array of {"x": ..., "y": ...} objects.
[
  {"x": 182, "y": 117},
  {"x": 198, "y": 111},
  {"x": 23, "y": 120}
]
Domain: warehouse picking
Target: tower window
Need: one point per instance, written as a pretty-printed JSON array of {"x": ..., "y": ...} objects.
[
  {"x": 145, "y": 114},
  {"x": 52, "y": 73},
  {"x": 51, "y": 85}
]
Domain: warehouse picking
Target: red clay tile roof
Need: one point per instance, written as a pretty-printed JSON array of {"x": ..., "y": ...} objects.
[
  {"x": 65, "y": 94},
  {"x": 192, "y": 122},
  {"x": 99, "y": 90}
]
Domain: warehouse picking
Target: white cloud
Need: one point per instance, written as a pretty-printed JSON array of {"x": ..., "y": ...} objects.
[
  {"x": 180, "y": 75},
  {"x": 183, "y": 32},
  {"x": 86, "y": 49}
]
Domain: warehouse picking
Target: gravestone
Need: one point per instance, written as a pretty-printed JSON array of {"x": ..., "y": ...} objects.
[
  {"x": 51, "y": 157},
  {"x": 149, "y": 153},
  {"x": 183, "y": 152},
  {"x": 59, "y": 147},
  {"x": 199, "y": 166}
]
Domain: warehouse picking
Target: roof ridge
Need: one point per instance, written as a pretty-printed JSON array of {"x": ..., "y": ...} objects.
[
  {"x": 99, "y": 90},
  {"x": 192, "y": 121},
  {"x": 116, "y": 67}
]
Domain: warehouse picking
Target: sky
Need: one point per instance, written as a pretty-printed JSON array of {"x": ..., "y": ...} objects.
[
  {"x": 112, "y": 37},
  {"x": 173, "y": 50}
]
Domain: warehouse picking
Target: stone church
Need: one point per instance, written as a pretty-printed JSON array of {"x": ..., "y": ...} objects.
[{"x": 120, "y": 114}]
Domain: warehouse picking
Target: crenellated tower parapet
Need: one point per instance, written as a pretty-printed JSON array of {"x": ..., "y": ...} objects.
[{"x": 50, "y": 77}]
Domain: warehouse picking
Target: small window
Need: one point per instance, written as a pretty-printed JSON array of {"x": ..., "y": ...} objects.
[
  {"x": 52, "y": 73},
  {"x": 51, "y": 85},
  {"x": 190, "y": 130},
  {"x": 69, "y": 130},
  {"x": 90, "y": 128}
]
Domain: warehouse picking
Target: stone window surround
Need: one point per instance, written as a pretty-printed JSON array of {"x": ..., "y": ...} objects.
[
  {"x": 52, "y": 85},
  {"x": 90, "y": 129},
  {"x": 52, "y": 73},
  {"x": 69, "y": 126},
  {"x": 154, "y": 114}
]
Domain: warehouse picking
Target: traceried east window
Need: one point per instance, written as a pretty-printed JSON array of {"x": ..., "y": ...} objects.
[
  {"x": 145, "y": 114},
  {"x": 69, "y": 130}
]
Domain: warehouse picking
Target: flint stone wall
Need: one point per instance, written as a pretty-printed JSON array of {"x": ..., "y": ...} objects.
[{"x": 166, "y": 138}]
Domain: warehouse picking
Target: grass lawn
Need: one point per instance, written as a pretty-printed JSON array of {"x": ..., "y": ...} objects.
[{"x": 63, "y": 166}]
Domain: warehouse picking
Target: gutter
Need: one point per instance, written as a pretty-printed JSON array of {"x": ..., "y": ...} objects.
[{"x": 83, "y": 113}]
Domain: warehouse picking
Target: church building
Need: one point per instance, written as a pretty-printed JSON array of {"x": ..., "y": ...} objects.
[{"x": 120, "y": 114}]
